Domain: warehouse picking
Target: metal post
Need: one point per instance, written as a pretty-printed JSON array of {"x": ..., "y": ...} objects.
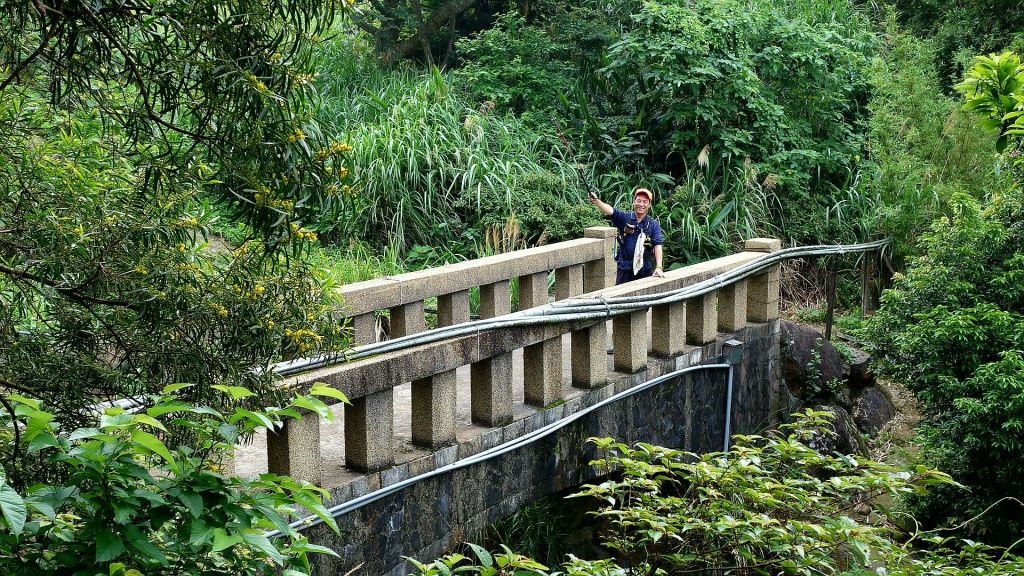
[
  {"x": 734, "y": 355},
  {"x": 830, "y": 295}
]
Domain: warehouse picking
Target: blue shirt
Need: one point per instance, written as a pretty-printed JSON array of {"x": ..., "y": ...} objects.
[{"x": 627, "y": 242}]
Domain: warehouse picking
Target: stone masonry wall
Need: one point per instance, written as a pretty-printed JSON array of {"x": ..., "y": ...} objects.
[{"x": 432, "y": 517}]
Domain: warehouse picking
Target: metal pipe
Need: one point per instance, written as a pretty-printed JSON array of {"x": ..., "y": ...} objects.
[{"x": 734, "y": 356}]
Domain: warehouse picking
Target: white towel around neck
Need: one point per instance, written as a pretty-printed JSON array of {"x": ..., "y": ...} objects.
[{"x": 638, "y": 252}]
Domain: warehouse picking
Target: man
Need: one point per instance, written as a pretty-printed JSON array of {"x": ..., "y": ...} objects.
[{"x": 635, "y": 228}]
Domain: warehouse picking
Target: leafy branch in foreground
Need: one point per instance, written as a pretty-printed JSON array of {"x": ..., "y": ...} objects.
[
  {"x": 771, "y": 505},
  {"x": 132, "y": 502}
]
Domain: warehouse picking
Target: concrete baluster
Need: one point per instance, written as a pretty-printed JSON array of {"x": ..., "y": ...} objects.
[
  {"x": 433, "y": 399},
  {"x": 369, "y": 432},
  {"x": 702, "y": 319},
  {"x": 732, "y": 306},
  {"x": 763, "y": 289},
  {"x": 294, "y": 449},
  {"x": 364, "y": 327},
  {"x": 589, "y": 359},
  {"x": 629, "y": 340},
  {"x": 668, "y": 329},
  {"x": 542, "y": 362},
  {"x": 369, "y": 420},
  {"x": 568, "y": 281},
  {"x": 598, "y": 274},
  {"x": 491, "y": 379}
]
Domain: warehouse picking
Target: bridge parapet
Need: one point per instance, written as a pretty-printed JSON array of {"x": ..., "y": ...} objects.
[{"x": 580, "y": 265}]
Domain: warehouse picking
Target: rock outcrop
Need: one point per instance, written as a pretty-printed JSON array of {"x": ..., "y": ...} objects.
[{"x": 818, "y": 376}]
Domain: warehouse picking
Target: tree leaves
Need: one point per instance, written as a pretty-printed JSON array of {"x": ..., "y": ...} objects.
[{"x": 13, "y": 508}]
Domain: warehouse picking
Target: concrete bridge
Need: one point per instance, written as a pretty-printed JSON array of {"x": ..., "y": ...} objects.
[{"x": 416, "y": 411}]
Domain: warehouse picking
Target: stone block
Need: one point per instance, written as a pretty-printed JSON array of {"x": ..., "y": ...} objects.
[
  {"x": 629, "y": 341},
  {"x": 445, "y": 456},
  {"x": 453, "y": 308},
  {"x": 369, "y": 436},
  {"x": 491, "y": 438},
  {"x": 421, "y": 466},
  {"x": 359, "y": 487},
  {"x": 553, "y": 414},
  {"x": 294, "y": 449},
  {"x": 598, "y": 274},
  {"x": 433, "y": 410},
  {"x": 589, "y": 358},
  {"x": 469, "y": 447},
  {"x": 702, "y": 319},
  {"x": 394, "y": 475},
  {"x": 533, "y": 422},
  {"x": 762, "y": 245},
  {"x": 364, "y": 328},
  {"x": 491, "y": 391},
  {"x": 732, "y": 306},
  {"x": 668, "y": 329},
  {"x": 568, "y": 282},
  {"x": 513, "y": 430}
]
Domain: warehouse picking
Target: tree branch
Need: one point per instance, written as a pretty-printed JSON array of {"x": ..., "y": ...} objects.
[
  {"x": 68, "y": 292},
  {"x": 433, "y": 24}
]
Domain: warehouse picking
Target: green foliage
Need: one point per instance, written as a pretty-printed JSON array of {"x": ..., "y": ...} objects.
[
  {"x": 515, "y": 66},
  {"x": 483, "y": 563},
  {"x": 536, "y": 530},
  {"x": 751, "y": 79},
  {"x": 923, "y": 150},
  {"x": 130, "y": 501},
  {"x": 713, "y": 209},
  {"x": 994, "y": 89},
  {"x": 127, "y": 285},
  {"x": 961, "y": 29},
  {"x": 772, "y": 505},
  {"x": 435, "y": 171},
  {"x": 193, "y": 92},
  {"x": 951, "y": 329}
]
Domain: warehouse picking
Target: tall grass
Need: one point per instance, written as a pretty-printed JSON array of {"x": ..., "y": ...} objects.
[
  {"x": 716, "y": 205},
  {"x": 419, "y": 147}
]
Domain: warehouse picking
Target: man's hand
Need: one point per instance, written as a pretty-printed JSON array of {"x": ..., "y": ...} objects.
[{"x": 659, "y": 272}]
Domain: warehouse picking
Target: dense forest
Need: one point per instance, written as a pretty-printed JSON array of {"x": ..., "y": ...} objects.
[{"x": 184, "y": 183}]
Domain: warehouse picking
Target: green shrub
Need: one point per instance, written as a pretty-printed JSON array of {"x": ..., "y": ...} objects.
[
  {"x": 515, "y": 66},
  {"x": 433, "y": 168},
  {"x": 772, "y": 505},
  {"x": 952, "y": 329},
  {"x": 923, "y": 149},
  {"x": 130, "y": 501},
  {"x": 751, "y": 79}
]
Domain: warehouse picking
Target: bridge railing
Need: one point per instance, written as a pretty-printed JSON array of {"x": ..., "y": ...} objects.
[{"x": 582, "y": 266}]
